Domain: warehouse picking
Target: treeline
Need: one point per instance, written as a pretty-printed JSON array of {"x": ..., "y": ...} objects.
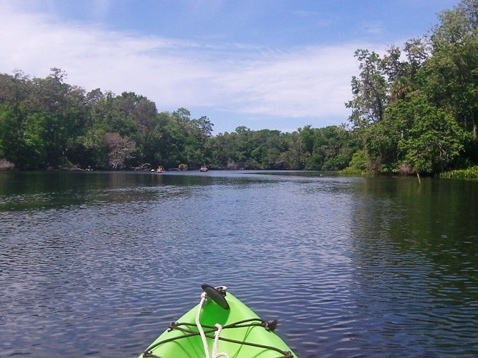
[
  {"x": 416, "y": 108},
  {"x": 47, "y": 123},
  {"x": 413, "y": 110}
]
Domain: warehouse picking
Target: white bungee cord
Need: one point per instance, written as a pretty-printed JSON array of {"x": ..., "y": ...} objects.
[
  {"x": 198, "y": 324},
  {"x": 215, "y": 354},
  {"x": 203, "y": 335}
]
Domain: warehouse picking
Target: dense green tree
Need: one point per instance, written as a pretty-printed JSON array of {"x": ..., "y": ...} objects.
[
  {"x": 294, "y": 154},
  {"x": 203, "y": 125},
  {"x": 369, "y": 89},
  {"x": 418, "y": 112},
  {"x": 328, "y": 148},
  {"x": 171, "y": 141},
  {"x": 433, "y": 139},
  {"x": 10, "y": 140},
  {"x": 46, "y": 116},
  {"x": 451, "y": 76}
]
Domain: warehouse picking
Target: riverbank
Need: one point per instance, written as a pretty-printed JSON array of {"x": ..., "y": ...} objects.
[{"x": 468, "y": 174}]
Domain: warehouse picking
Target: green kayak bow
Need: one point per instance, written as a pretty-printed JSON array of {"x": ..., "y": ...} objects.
[{"x": 220, "y": 326}]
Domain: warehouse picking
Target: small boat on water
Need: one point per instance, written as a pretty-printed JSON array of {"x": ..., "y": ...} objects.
[
  {"x": 203, "y": 168},
  {"x": 220, "y": 326}
]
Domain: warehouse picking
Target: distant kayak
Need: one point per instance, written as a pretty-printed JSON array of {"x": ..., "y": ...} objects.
[{"x": 220, "y": 326}]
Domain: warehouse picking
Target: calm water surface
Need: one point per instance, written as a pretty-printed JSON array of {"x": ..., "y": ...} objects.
[{"x": 97, "y": 264}]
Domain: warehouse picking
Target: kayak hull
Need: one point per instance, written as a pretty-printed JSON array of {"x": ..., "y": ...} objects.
[{"x": 253, "y": 338}]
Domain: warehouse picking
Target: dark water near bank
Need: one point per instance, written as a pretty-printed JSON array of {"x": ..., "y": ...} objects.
[{"x": 97, "y": 264}]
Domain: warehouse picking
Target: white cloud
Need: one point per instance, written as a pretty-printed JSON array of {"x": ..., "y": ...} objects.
[{"x": 305, "y": 82}]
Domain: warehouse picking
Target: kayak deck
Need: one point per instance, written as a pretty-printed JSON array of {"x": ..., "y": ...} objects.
[{"x": 241, "y": 333}]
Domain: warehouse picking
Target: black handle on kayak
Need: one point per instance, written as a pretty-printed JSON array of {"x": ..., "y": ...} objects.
[{"x": 216, "y": 295}]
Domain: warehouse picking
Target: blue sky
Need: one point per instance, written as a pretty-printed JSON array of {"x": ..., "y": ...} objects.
[{"x": 274, "y": 64}]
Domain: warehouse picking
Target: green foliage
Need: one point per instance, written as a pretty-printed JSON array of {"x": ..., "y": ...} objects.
[
  {"x": 8, "y": 137},
  {"x": 358, "y": 164},
  {"x": 469, "y": 174},
  {"x": 433, "y": 140},
  {"x": 329, "y": 148},
  {"x": 421, "y": 115},
  {"x": 370, "y": 90},
  {"x": 47, "y": 123}
]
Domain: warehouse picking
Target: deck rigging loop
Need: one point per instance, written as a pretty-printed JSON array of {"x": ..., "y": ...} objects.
[{"x": 187, "y": 329}]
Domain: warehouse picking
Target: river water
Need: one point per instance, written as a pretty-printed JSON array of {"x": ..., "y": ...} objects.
[{"x": 97, "y": 264}]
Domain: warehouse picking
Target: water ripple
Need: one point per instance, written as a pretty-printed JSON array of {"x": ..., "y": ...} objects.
[{"x": 341, "y": 265}]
